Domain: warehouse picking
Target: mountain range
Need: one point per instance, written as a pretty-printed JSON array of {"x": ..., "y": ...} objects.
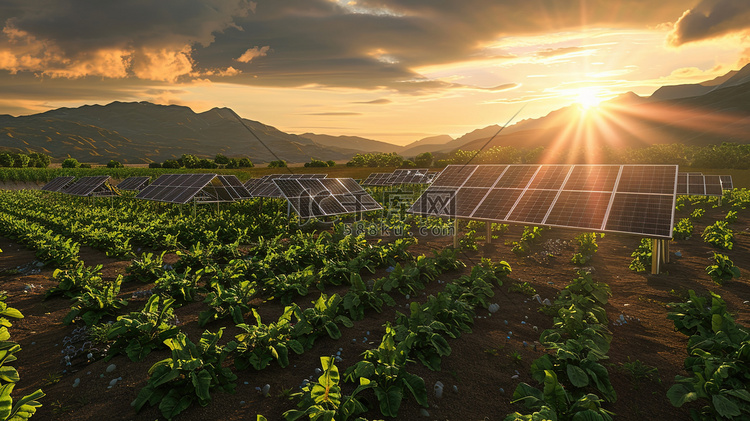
[{"x": 705, "y": 113}]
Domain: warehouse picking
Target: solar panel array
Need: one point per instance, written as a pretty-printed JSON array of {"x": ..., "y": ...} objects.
[
  {"x": 265, "y": 186},
  {"x": 637, "y": 199},
  {"x": 58, "y": 183},
  {"x": 225, "y": 188},
  {"x": 400, "y": 176},
  {"x": 325, "y": 196},
  {"x": 90, "y": 186},
  {"x": 175, "y": 188},
  {"x": 697, "y": 184},
  {"x": 133, "y": 183}
]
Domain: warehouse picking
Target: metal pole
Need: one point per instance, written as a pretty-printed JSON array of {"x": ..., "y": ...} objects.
[
  {"x": 489, "y": 232},
  {"x": 655, "y": 251},
  {"x": 455, "y": 233}
]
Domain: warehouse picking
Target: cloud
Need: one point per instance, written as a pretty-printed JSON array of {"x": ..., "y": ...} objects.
[
  {"x": 380, "y": 101},
  {"x": 252, "y": 53},
  {"x": 710, "y": 19}
]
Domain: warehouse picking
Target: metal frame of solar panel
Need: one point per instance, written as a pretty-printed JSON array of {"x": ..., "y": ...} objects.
[
  {"x": 325, "y": 196},
  {"x": 633, "y": 199},
  {"x": 377, "y": 179},
  {"x": 696, "y": 184},
  {"x": 407, "y": 176},
  {"x": 175, "y": 188},
  {"x": 133, "y": 183},
  {"x": 90, "y": 186},
  {"x": 726, "y": 182},
  {"x": 58, "y": 183},
  {"x": 713, "y": 185}
]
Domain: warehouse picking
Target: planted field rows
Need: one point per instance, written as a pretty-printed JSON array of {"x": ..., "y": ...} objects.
[{"x": 136, "y": 310}]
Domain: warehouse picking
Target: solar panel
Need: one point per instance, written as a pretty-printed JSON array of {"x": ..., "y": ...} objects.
[
  {"x": 175, "y": 188},
  {"x": 314, "y": 197},
  {"x": 58, "y": 183},
  {"x": 696, "y": 184},
  {"x": 636, "y": 199},
  {"x": 225, "y": 188},
  {"x": 251, "y": 183},
  {"x": 89, "y": 186},
  {"x": 726, "y": 182},
  {"x": 133, "y": 183},
  {"x": 713, "y": 185}
]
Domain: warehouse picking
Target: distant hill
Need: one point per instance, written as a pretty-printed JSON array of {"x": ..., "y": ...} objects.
[
  {"x": 144, "y": 132},
  {"x": 347, "y": 143},
  {"x": 721, "y": 115}
]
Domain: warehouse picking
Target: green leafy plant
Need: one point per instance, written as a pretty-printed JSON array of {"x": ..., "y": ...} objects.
[
  {"x": 524, "y": 288},
  {"x": 385, "y": 367},
  {"x": 146, "y": 269},
  {"x": 422, "y": 334},
  {"x": 723, "y": 269},
  {"x": 587, "y": 247},
  {"x": 642, "y": 256},
  {"x": 231, "y": 301},
  {"x": 98, "y": 300},
  {"x": 323, "y": 400},
  {"x": 258, "y": 345},
  {"x": 72, "y": 282},
  {"x": 321, "y": 319},
  {"x": 719, "y": 235},
  {"x": 188, "y": 375},
  {"x": 697, "y": 214},
  {"x": 361, "y": 297},
  {"x": 553, "y": 402},
  {"x": 731, "y": 216},
  {"x": 183, "y": 287},
  {"x": 683, "y": 229},
  {"x": 138, "y": 333}
]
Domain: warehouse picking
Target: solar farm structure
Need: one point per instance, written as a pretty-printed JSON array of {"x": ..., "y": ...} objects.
[
  {"x": 631, "y": 199},
  {"x": 400, "y": 176},
  {"x": 195, "y": 188},
  {"x": 94, "y": 186},
  {"x": 265, "y": 186},
  {"x": 316, "y": 197},
  {"x": 698, "y": 184}
]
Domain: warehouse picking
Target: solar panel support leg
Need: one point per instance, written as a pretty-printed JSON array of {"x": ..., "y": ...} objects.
[
  {"x": 655, "y": 258},
  {"x": 489, "y": 232},
  {"x": 455, "y": 233},
  {"x": 195, "y": 207},
  {"x": 665, "y": 251}
]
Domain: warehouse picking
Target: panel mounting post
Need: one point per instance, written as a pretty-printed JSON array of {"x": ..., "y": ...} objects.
[
  {"x": 489, "y": 232},
  {"x": 455, "y": 234},
  {"x": 655, "y": 258}
]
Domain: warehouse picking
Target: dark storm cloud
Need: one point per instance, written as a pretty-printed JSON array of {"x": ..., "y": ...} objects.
[
  {"x": 710, "y": 19},
  {"x": 371, "y": 44}
]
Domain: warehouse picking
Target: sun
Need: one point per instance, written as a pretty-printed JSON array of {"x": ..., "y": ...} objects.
[{"x": 588, "y": 98}]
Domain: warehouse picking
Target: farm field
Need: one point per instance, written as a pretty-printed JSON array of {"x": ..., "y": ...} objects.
[{"x": 282, "y": 263}]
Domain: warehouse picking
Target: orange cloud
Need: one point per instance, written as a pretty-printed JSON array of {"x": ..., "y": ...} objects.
[
  {"x": 163, "y": 64},
  {"x": 252, "y": 53}
]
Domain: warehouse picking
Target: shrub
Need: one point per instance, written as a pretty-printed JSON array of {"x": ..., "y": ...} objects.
[{"x": 71, "y": 163}]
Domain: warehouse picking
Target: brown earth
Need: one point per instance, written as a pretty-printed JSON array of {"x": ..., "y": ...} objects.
[{"x": 480, "y": 365}]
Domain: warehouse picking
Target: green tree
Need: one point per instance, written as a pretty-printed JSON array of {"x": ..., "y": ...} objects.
[
  {"x": 207, "y": 164},
  {"x": 233, "y": 163},
  {"x": 424, "y": 159},
  {"x": 39, "y": 160},
  {"x": 277, "y": 164},
  {"x": 154, "y": 165},
  {"x": 20, "y": 160},
  {"x": 245, "y": 163},
  {"x": 221, "y": 159},
  {"x": 331, "y": 163},
  {"x": 6, "y": 160},
  {"x": 170, "y": 163},
  {"x": 71, "y": 163},
  {"x": 114, "y": 164},
  {"x": 189, "y": 161},
  {"x": 316, "y": 163}
]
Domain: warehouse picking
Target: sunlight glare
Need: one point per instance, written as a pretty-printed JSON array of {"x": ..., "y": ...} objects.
[{"x": 588, "y": 98}]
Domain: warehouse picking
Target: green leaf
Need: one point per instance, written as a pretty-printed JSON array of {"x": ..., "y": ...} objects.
[
  {"x": 202, "y": 382},
  {"x": 172, "y": 404},
  {"x": 717, "y": 321},
  {"x": 679, "y": 395},
  {"x": 416, "y": 386},
  {"x": 577, "y": 376},
  {"x": 390, "y": 400},
  {"x": 6, "y": 402},
  {"x": 724, "y": 406}
]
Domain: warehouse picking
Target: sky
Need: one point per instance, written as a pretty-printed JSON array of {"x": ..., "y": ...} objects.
[{"x": 390, "y": 70}]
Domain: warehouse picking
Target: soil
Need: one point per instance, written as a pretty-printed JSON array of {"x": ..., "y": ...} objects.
[{"x": 480, "y": 366}]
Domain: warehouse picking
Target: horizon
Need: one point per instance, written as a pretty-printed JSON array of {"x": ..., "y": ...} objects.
[{"x": 392, "y": 71}]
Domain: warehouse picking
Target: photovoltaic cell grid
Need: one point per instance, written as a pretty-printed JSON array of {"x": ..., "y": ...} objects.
[
  {"x": 265, "y": 186},
  {"x": 133, "y": 183},
  {"x": 636, "y": 199},
  {"x": 90, "y": 186},
  {"x": 326, "y": 196},
  {"x": 225, "y": 188},
  {"x": 175, "y": 188},
  {"x": 400, "y": 176},
  {"x": 713, "y": 185},
  {"x": 58, "y": 183}
]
